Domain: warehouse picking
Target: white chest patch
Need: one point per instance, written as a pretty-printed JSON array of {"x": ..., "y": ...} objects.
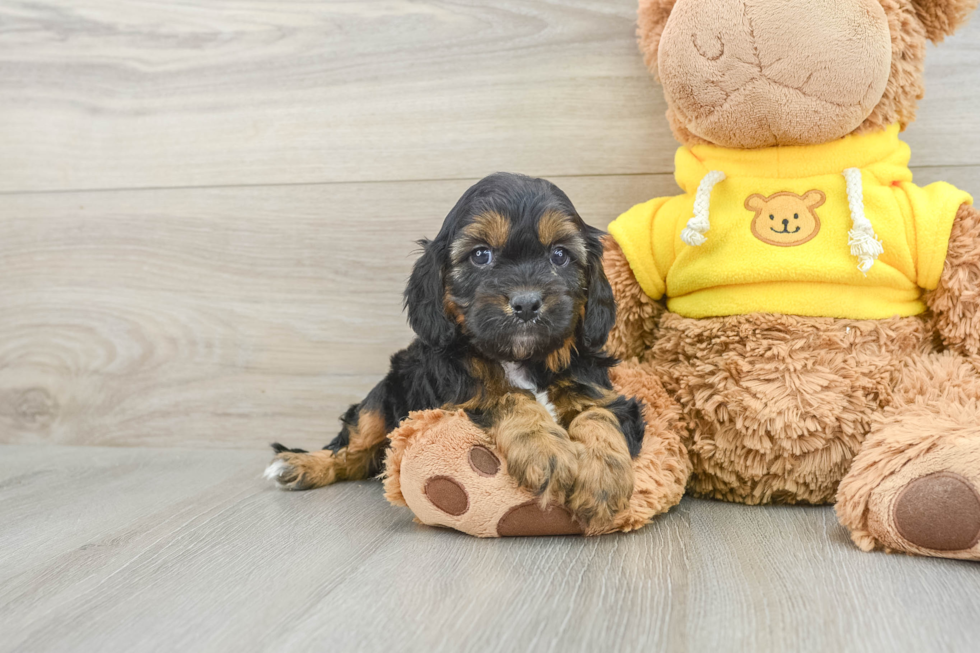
[{"x": 518, "y": 377}]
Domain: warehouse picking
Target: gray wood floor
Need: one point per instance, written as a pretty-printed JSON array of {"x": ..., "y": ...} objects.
[
  {"x": 207, "y": 214},
  {"x": 135, "y": 549}
]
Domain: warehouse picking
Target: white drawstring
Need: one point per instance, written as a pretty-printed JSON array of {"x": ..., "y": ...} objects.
[
  {"x": 697, "y": 226},
  {"x": 862, "y": 238}
]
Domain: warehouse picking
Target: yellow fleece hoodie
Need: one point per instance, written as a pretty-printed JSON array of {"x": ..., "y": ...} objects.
[{"x": 832, "y": 230}]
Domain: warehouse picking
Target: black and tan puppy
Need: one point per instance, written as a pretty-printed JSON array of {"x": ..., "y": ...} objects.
[{"x": 512, "y": 309}]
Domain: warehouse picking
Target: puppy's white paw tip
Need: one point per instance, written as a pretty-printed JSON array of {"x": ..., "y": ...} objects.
[{"x": 274, "y": 470}]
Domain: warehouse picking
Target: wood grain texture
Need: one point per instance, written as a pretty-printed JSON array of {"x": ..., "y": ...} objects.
[
  {"x": 94, "y": 94},
  {"x": 163, "y": 550}
]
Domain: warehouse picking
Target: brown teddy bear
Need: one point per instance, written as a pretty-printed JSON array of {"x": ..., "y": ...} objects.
[{"x": 813, "y": 313}]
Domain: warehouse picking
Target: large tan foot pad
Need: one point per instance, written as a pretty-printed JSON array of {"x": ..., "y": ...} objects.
[
  {"x": 449, "y": 475},
  {"x": 448, "y": 495}
]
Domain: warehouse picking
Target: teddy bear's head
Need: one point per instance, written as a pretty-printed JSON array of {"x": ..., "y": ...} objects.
[{"x": 759, "y": 73}]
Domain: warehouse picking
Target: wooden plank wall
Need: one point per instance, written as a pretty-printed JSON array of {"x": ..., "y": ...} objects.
[{"x": 207, "y": 209}]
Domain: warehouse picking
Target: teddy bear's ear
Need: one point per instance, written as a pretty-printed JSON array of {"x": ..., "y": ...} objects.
[
  {"x": 651, "y": 19},
  {"x": 942, "y": 17},
  {"x": 814, "y": 199},
  {"x": 755, "y": 202}
]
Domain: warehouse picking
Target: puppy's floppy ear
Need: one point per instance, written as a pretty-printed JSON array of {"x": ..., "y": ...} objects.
[
  {"x": 424, "y": 297},
  {"x": 942, "y": 17},
  {"x": 600, "y": 306}
]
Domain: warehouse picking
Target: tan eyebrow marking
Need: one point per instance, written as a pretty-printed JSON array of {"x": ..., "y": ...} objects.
[
  {"x": 557, "y": 228},
  {"x": 489, "y": 228}
]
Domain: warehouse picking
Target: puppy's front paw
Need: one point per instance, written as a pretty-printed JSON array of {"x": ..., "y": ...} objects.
[
  {"x": 295, "y": 469},
  {"x": 545, "y": 465},
  {"x": 602, "y": 489}
]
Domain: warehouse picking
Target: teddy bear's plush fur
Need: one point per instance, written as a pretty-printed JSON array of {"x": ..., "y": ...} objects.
[{"x": 881, "y": 417}]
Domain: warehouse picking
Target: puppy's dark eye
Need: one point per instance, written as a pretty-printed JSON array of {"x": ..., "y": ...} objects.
[
  {"x": 559, "y": 256},
  {"x": 481, "y": 256}
]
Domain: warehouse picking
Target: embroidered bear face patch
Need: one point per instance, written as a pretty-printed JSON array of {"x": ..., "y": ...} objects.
[{"x": 786, "y": 219}]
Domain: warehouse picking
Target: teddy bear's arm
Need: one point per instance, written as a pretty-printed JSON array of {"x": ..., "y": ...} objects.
[
  {"x": 637, "y": 315},
  {"x": 956, "y": 301}
]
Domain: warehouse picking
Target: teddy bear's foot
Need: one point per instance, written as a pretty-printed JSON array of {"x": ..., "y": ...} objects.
[
  {"x": 446, "y": 470},
  {"x": 915, "y": 485},
  {"x": 931, "y": 506},
  {"x": 928, "y": 511}
]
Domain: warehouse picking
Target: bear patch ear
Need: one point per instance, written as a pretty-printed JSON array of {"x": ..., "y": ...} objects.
[
  {"x": 942, "y": 17},
  {"x": 651, "y": 19},
  {"x": 755, "y": 202},
  {"x": 814, "y": 199}
]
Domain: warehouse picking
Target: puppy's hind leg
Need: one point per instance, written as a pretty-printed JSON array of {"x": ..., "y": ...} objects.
[
  {"x": 356, "y": 453},
  {"x": 297, "y": 469}
]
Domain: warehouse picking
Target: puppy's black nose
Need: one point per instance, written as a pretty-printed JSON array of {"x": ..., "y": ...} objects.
[{"x": 526, "y": 305}]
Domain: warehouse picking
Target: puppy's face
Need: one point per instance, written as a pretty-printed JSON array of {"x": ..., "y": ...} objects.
[
  {"x": 516, "y": 281},
  {"x": 520, "y": 274}
]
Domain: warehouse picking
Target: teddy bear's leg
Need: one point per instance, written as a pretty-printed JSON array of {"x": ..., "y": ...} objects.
[
  {"x": 636, "y": 314},
  {"x": 915, "y": 484},
  {"x": 451, "y": 474},
  {"x": 663, "y": 466}
]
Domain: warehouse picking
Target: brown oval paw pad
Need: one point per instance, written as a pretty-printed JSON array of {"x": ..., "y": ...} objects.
[
  {"x": 528, "y": 519},
  {"x": 483, "y": 461},
  {"x": 447, "y": 495},
  {"x": 940, "y": 511}
]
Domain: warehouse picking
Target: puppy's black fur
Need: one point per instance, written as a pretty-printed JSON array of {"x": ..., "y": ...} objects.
[{"x": 513, "y": 276}]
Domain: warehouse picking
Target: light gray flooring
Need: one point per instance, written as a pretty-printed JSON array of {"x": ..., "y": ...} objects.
[{"x": 134, "y": 549}]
